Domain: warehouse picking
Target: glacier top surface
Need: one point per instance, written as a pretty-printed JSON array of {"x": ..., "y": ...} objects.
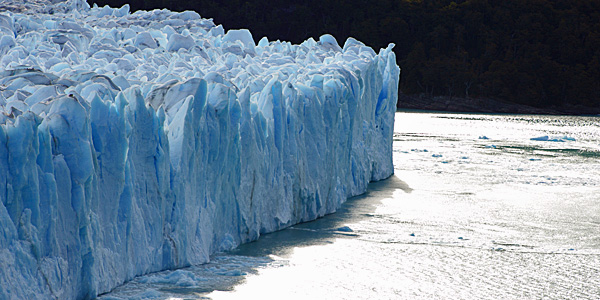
[{"x": 62, "y": 42}]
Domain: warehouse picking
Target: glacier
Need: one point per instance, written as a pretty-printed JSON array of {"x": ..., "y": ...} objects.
[{"x": 137, "y": 142}]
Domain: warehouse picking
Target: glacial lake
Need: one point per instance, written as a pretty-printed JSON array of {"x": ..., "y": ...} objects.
[{"x": 480, "y": 207}]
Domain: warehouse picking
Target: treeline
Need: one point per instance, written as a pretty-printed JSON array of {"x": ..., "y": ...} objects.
[{"x": 536, "y": 52}]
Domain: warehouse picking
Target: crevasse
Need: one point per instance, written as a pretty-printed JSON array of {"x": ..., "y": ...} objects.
[{"x": 137, "y": 142}]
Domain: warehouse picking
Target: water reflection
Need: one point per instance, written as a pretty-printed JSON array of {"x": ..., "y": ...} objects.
[{"x": 324, "y": 230}]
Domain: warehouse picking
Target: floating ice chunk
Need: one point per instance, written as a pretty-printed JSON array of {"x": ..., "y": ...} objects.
[
  {"x": 436, "y": 155},
  {"x": 149, "y": 294},
  {"x": 181, "y": 278},
  {"x": 541, "y": 138},
  {"x": 483, "y": 137},
  {"x": 546, "y": 138},
  {"x": 232, "y": 273},
  {"x": 345, "y": 229}
]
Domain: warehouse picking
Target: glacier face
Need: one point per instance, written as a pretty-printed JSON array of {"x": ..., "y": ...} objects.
[{"x": 137, "y": 142}]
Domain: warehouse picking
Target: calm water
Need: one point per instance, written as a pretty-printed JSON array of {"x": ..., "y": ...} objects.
[{"x": 476, "y": 210}]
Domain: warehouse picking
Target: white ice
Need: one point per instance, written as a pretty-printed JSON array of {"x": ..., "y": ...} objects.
[{"x": 137, "y": 142}]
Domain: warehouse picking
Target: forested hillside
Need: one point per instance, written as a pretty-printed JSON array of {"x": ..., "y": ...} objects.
[{"x": 535, "y": 52}]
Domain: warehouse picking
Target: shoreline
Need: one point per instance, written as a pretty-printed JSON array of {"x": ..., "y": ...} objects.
[{"x": 486, "y": 105}]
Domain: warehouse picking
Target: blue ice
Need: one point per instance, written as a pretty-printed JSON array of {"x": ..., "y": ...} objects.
[
  {"x": 132, "y": 143},
  {"x": 546, "y": 138}
]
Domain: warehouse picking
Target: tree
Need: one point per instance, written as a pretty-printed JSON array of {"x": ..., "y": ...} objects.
[{"x": 536, "y": 52}]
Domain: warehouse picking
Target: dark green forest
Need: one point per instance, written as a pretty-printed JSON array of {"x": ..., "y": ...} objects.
[{"x": 535, "y": 52}]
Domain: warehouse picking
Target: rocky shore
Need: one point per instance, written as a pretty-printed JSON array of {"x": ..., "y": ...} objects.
[{"x": 486, "y": 105}]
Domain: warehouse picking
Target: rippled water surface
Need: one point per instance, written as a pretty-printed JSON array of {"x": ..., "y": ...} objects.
[{"x": 480, "y": 207}]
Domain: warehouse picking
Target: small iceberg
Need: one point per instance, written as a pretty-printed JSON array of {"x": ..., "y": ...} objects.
[
  {"x": 345, "y": 229},
  {"x": 546, "y": 138}
]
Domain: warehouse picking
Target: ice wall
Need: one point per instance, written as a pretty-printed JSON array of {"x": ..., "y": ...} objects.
[{"x": 138, "y": 142}]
